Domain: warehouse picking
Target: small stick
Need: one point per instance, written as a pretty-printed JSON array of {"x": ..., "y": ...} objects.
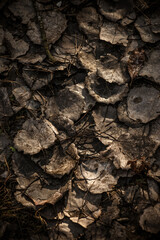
[{"x": 43, "y": 34}]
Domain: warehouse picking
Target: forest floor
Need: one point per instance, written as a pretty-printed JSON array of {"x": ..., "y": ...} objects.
[{"x": 79, "y": 120}]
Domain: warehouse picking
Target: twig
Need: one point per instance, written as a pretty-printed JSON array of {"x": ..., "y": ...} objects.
[{"x": 43, "y": 34}]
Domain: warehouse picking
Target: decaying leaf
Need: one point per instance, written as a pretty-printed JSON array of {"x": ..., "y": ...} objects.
[{"x": 136, "y": 62}]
